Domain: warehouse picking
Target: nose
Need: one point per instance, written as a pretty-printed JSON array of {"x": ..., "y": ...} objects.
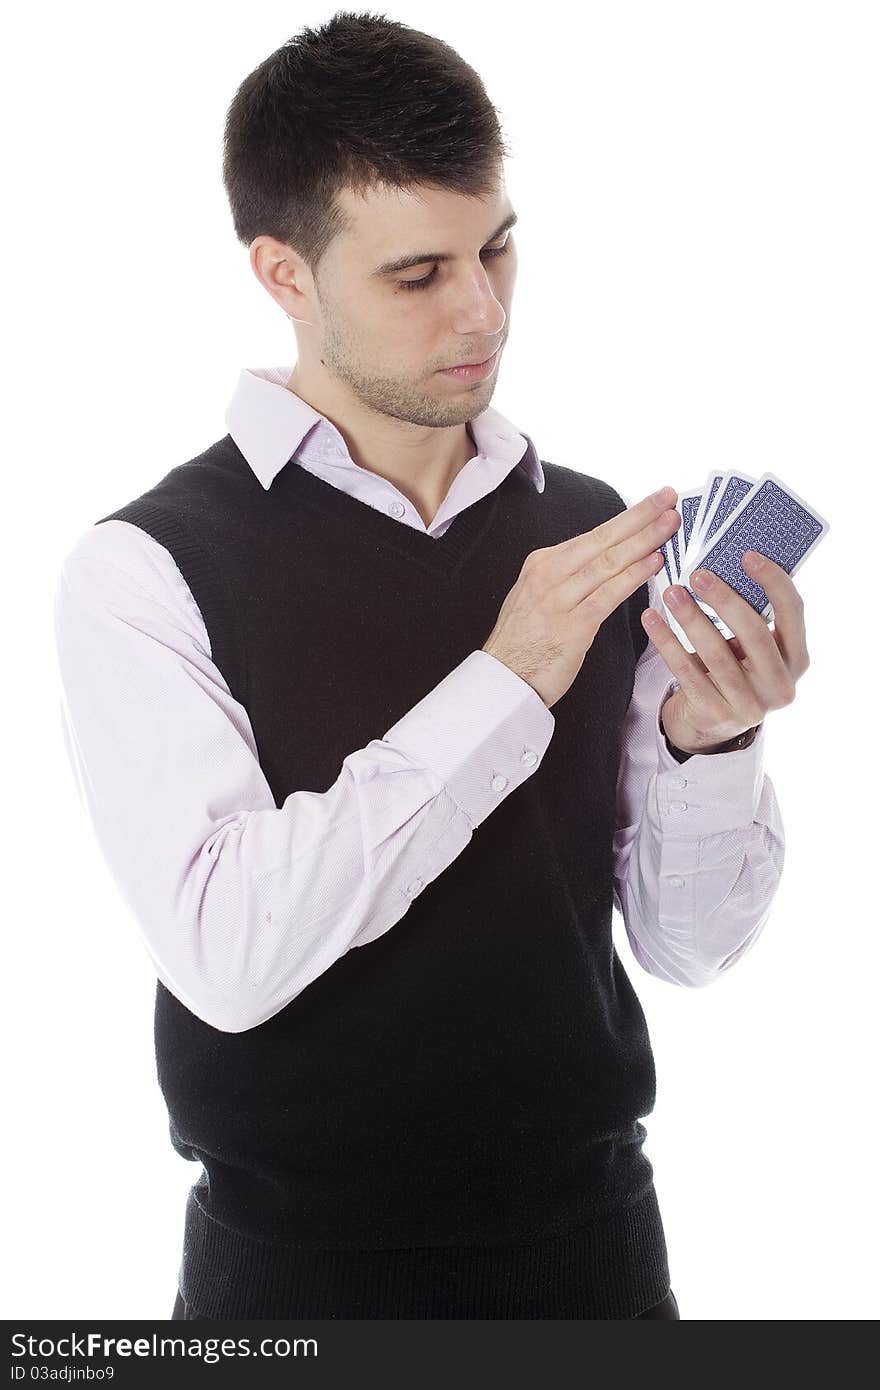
[{"x": 481, "y": 313}]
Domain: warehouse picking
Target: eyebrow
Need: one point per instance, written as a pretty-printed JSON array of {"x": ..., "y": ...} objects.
[{"x": 420, "y": 257}]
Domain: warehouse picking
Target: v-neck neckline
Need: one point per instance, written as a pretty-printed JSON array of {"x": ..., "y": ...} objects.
[{"x": 444, "y": 555}]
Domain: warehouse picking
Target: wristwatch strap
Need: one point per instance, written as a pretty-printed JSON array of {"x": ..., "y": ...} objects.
[{"x": 743, "y": 740}]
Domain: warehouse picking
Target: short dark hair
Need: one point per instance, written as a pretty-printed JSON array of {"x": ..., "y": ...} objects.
[{"x": 360, "y": 101}]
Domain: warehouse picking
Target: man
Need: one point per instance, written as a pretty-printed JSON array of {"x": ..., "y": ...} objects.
[{"x": 308, "y": 684}]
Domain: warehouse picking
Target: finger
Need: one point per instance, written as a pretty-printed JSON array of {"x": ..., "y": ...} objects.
[
  {"x": 597, "y": 603},
  {"x": 736, "y": 611},
  {"x": 572, "y": 554},
  {"x": 766, "y": 666},
  {"x": 788, "y": 610},
  {"x": 734, "y": 684},
  {"x": 688, "y": 668},
  {"x": 738, "y": 650},
  {"x": 593, "y": 572}
]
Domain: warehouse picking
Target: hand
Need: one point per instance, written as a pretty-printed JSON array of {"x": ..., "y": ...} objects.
[
  {"x": 564, "y": 592},
  {"x": 728, "y": 685}
]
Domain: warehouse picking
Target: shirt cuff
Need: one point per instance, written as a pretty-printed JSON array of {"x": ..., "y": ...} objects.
[
  {"x": 710, "y": 792},
  {"x": 483, "y": 730}
]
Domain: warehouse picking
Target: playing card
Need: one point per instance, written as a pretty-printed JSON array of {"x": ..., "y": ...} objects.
[
  {"x": 688, "y": 507},
  {"x": 772, "y": 519},
  {"x": 731, "y": 514},
  {"x": 708, "y": 493},
  {"x": 731, "y": 490},
  {"x": 695, "y": 507},
  {"x": 675, "y": 549},
  {"x": 671, "y": 556}
]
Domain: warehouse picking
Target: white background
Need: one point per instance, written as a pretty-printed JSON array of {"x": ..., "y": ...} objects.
[{"x": 698, "y": 288}]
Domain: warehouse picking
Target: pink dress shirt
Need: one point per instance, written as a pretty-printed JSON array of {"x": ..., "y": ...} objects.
[{"x": 242, "y": 904}]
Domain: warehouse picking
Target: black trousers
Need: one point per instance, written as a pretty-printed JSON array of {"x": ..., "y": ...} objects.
[{"x": 667, "y": 1308}]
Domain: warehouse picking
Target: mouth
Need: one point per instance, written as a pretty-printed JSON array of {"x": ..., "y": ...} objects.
[{"x": 472, "y": 371}]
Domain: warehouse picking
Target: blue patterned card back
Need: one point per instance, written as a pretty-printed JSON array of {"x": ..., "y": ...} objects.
[{"x": 772, "y": 520}]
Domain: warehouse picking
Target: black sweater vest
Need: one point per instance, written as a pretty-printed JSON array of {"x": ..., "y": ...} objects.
[{"x": 445, "y": 1123}]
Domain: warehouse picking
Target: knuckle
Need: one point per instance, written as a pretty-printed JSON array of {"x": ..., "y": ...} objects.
[
  {"x": 783, "y": 697},
  {"x": 590, "y": 608},
  {"x": 533, "y": 572},
  {"x": 605, "y": 563},
  {"x": 530, "y": 587}
]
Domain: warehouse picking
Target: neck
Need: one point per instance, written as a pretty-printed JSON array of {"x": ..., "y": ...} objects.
[{"x": 422, "y": 463}]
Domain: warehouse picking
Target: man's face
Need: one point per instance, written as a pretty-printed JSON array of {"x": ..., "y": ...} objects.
[{"x": 385, "y": 334}]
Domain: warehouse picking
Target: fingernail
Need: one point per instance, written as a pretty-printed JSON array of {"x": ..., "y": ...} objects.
[
  {"x": 701, "y": 580},
  {"x": 664, "y": 496}
]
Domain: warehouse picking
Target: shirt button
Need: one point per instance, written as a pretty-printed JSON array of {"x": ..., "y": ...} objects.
[
  {"x": 676, "y": 882},
  {"x": 529, "y": 757},
  {"x": 414, "y": 887},
  {"x": 678, "y": 781},
  {"x": 396, "y": 509},
  {"x": 676, "y": 807},
  {"x": 499, "y": 783}
]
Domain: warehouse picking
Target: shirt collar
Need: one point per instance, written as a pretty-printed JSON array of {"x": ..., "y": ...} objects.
[{"x": 270, "y": 424}]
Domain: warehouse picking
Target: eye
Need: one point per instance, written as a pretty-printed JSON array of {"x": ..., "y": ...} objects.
[{"x": 426, "y": 279}]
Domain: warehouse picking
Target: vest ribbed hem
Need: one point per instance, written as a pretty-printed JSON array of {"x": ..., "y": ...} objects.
[{"x": 615, "y": 1267}]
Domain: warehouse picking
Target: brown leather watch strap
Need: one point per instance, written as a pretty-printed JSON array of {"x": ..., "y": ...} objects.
[{"x": 743, "y": 740}]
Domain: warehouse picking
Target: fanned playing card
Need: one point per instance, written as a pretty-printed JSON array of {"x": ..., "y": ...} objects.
[{"x": 730, "y": 514}]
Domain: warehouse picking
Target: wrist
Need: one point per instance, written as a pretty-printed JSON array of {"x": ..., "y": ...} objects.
[{"x": 745, "y": 739}]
